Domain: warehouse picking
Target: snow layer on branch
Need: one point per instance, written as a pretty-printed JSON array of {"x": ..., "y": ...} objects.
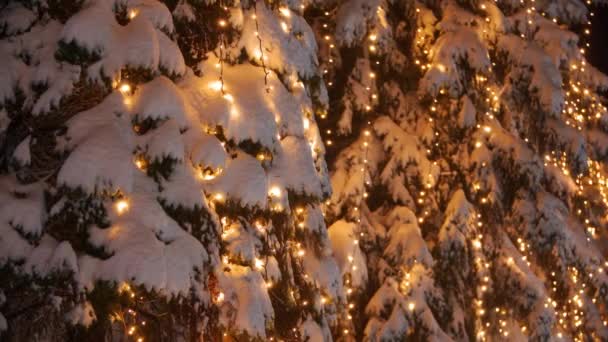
[
  {"x": 293, "y": 168},
  {"x": 570, "y": 11},
  {"x": 352, "y": 19},
  {"x": 101, "y": 144},
  {"x": 348, "y": 179},
  {"x": 165, "y": 141},
  {"x": 147, "y": 247},
  {"x": 515, "y": 150},
  {"x": 545, "y": 78},
  {"x": 22, "y": 214},
  {"x": 311, "y": 331},
  {"x": 138, "y": 44},
  {"x": 182, "y": 188},
  {"x": 243, "y": 181},
  {"x": 15, "y": 18},
  {"x": 459, "y": 222},
  {"x": 241, "y": 242},
  {"x": 347, "y": 253},
  {"x": 325, "y": 272},
  {"x": 155, "y": 11},
  {"x": 22, "y": 153},
  {"x": 161, "y": 99},
  {"x": 40, "y": 45},
  {"x": 406, "y": 149},
  {"x": 452, "y": 48},
  {"x": 246, "y": 111},
  {"x": 246, "y": 304},
  {"x": 467, "y": 114},
  {"x": 288, "y": 43},
  {"x": 22, "y": 206},
  {"x": 49, "y": 256},
  {"x": 405, "y": 245},
  {"x": 208, "y": 152},
  {"x": 82, "y": 314}
]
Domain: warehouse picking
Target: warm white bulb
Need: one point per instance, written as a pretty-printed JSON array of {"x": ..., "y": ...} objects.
[{"x": 122, "y": 206}]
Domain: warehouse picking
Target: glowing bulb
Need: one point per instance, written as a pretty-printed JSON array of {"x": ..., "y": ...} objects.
[
  {"x": 259, "y": 264},
  {"x": 140, "y": 164},
  {"x": 122, "y": 206},
  {"x": 306, "y": 123},
  {"x": 411, "y": 306},
  {"x": 220, "y": 297},
  {"x": 218, "y": 197},
  {"x": 285, "y": 12},
  {"x": 222, "y": 23},
  {"x": 132, "y": 14},
  {"x": 275, "y": 191},
  {"x": 125, "y": 89},
  {"x": 284, "y": 27},
  {"x": 228, "y": 97},
  {"x": 215, "y": 85}
]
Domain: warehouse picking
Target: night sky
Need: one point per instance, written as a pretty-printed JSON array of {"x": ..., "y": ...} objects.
[{"x": 598, "y": 54}]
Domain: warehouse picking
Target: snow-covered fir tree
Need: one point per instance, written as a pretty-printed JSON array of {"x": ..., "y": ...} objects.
[
  {"x": 467, "y": 143},
  {"x": 162, "y": 173}
]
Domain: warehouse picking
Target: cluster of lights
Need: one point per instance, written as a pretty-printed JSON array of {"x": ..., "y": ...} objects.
[{"x": 133, "y": 325}]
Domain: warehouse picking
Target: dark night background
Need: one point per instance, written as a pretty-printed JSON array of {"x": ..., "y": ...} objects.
[{"x": 598, "y": 54}]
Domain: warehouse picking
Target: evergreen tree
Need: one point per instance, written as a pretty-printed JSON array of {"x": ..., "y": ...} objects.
[
  {"x": 162, "y": 173},
  {"x": 467, "y": 144}
]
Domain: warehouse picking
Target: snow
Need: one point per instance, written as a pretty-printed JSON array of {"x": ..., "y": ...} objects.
[
  {"x": 246, "y": 304},
  {"x": 325, "y": 273},
  {"x": 352, "y": 19},
  {"x": 82, "y": 314},
  {"x": 545, "y": 78},
  {"x": 387, "y": 295},
  {"x": 155, "y": 11},
  {"x": 147, "y": 247},
  {"x": 22, "y": 152},
  {"x": 347, "y": 253},
  {"x": 244, "y": 181},
  {"x": 183, "y": 10},
  {"x": 451, "y": 48},
  {"x": 40, "y": 45},
  {"x": 14, "y": 246},
  {"x": 21, "y": 207},
  {"x": 294, "y": 168},
  {"x": 241, "y": 242},
  {"x": 101, "y": 162},
  {"x": 395, "y": 139},
  {"x": 15, "y": 18},
  {"x": 466, "y": 116},
  {"x": 281, "y": 50},
  {"x": 405, "y": 245},
  {"x": 161, "y": 99},
  {"x": 183, "y": 189},
  {"x": 208, "y": 152},
  {"x": 138, "y": 44},
  {"x": 246, "y": 111},
  {"x": 51, "y": 256},
  {"x": 163, "y": 142},
  {"x": 311, "y": 331}
]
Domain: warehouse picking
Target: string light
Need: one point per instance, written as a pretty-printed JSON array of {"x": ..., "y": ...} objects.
[{"x": 122, "y": 206}]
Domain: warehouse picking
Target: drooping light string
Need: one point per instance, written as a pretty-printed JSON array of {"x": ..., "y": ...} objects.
[
  {"x": 222, "y": 25},
  {"x": 260, "y": 46}
]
